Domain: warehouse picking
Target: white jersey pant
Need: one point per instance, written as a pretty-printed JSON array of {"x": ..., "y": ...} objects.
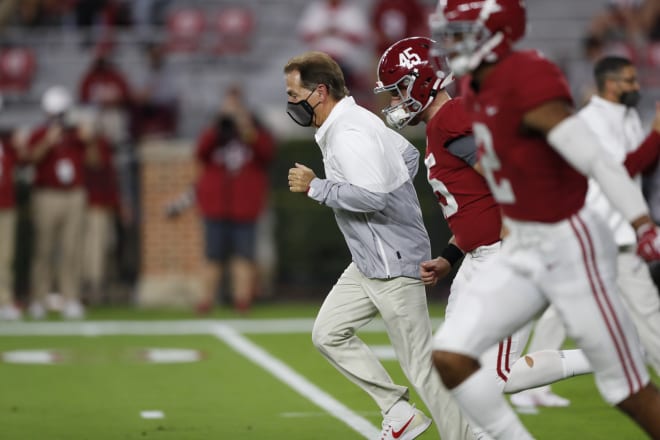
[
  {"x": 500, "y": 357},
  {"x": 352, "y": 303},
  {"x": 640, "y": 296},
  {"x": 571, "y": 265}
]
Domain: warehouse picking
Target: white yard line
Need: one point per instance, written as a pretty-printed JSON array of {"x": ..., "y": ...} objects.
[
  {"x": 190, "y": 327},
  {"x": 287, "y": 375}
]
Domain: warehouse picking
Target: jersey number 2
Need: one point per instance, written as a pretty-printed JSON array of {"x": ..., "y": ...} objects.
[{"x": 500, "y": 188}]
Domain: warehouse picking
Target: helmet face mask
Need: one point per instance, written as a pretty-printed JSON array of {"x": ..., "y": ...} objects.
[
  {"x": 405, "y": 107},
  {"x": 407, "y": 71}
]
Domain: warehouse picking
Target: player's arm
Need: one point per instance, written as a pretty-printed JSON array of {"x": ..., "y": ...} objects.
[
  {"x": 465, "y": 148},
  {"x": 572, "y": 138},
  {"x": 411, "y": 158}
]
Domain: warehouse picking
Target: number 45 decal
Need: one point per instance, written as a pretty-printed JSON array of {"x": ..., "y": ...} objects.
[
  {"x": 409, "y": 59},
  {"x": 501, "y": 189}
]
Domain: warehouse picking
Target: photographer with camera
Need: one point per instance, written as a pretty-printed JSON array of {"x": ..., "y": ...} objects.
[
  {"x": 233, "y": 156},
  {"x": 58, "y": 201}
]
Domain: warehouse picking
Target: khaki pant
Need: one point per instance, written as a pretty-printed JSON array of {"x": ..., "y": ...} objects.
[
  {"x": 57, "y": 216},
  {"x": 97, "y": 242},
  {"x": 7, "y": 243},
  {"x": 352, "y": 303}
]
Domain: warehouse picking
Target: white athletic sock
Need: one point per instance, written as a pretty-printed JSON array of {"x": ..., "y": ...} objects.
[
  {"x": 483, "y": 403},
  {"x": 545, "y": 367}
]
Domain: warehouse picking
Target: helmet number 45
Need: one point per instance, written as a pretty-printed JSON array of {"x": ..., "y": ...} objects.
[{"x": 408, "y": 58}]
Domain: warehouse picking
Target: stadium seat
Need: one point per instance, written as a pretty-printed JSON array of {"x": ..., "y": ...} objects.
[
  {"x": 17, "y": 68},
  {"x": 185, "y": 30},
  {"x": 234, "y": 27}
]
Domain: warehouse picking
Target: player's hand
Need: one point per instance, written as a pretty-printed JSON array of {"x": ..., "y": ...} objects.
[
  {"x": 300, "y": 178},
  {"x": 432, "y": 271},
  {"x": 648, "y": 242}
]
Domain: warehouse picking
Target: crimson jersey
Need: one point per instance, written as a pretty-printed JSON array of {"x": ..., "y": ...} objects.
[
  {"x": 472, "y": 213},
  {"x": 62, "y": 166},
  {"x": 529, "y": 179}
]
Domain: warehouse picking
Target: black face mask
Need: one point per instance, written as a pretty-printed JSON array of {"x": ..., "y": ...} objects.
[
  {"x": 301, "y": 112},
  {"x": 630, "y": 99}
]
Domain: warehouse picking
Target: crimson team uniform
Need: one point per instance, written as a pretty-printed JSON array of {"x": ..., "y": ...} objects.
[
  {"x": 473, "y": 217},
  {"x": 557, "y": 251},
  {"x": 471, "y": 212}
]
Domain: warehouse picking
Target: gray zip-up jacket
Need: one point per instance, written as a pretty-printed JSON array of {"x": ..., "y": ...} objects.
[{"x": 369, "y": 169}]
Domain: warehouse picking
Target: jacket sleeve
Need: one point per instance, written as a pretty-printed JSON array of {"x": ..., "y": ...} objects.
[
  {"x": 645, "y": 158},
  {"x": 342, "y": 195},
  {"x": 411, "y": 158}
]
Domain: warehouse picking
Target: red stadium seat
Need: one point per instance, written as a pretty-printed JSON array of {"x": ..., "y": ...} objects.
[
  {"x": 17, "y": 68},
  {"x": 234, "y": 27},
  {"x": 185, "y": 30}
]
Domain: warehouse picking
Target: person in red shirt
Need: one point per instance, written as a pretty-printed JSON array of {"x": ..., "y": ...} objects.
[
  {"x": 58, "y": 201},
  {"x": 12, "y": 150},
  {"x": 536, "y": 156},
  {"x": 233, "y": 156},
  {"x": 106, "y": 88},
  {"x": 102, "y": 189},
  {"x": 393, "y": 20}
]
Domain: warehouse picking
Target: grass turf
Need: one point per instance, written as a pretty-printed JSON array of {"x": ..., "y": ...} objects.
[{"x": 102, "y": 388}]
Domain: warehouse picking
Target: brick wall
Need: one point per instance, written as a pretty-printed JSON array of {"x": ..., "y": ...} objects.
[{"x": 172, "y": 249}]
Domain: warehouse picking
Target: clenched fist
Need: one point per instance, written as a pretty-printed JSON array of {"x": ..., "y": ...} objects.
[{"x": 300, "y": 177}]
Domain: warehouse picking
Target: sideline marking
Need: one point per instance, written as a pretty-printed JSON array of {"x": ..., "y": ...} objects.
[
  {"x": 189, "y": 327},
  {"x": 287, "y": 375}
]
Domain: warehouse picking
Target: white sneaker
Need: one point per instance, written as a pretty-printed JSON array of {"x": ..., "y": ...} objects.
[
  {"x": 73, "y": 310},
  {"x": 10, "y": 313},
  {"x": 37, "y": 310},
  {"x": 404, "y": 422},
  {"x": 539, "y": 397}
]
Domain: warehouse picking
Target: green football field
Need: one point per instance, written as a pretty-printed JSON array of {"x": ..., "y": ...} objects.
[{"x": 163, "y": 375}]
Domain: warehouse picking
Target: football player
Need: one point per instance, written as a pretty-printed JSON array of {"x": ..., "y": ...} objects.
[
  {"x": 407, "y": 71},
  {"x": 535, "y": 155}
]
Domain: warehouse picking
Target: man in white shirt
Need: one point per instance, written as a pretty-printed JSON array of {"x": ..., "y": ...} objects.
[{"x": 369, "y": 170}]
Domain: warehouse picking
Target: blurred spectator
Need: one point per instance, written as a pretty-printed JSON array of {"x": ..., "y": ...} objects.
[
  {"x": 12, "y": 149},
  {"x": 155, "y": 99},
  {"x": 394, "y": 20},
  {"x": 100, "y": 179},
  {"x": 106, "y": 87},
  {"x": 341, "y": 29},
  {"x": 58, "y": 205},
  {"x": 233, "y": 155}
]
